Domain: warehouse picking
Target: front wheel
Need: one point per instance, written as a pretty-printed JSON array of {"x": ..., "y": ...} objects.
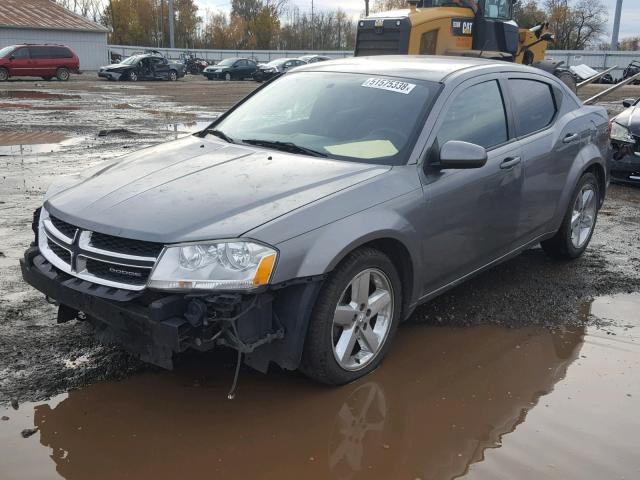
[
  {"x": 63, "y": 74},
  {"x": 354, "y": 319},
  {"x": 173, "y": 75},
  {"x": 4, "y": 74},
  {"x": 133, "y": 76},
  {"x": 227, "y": 76},
  {"x": 579, "y": 221}
]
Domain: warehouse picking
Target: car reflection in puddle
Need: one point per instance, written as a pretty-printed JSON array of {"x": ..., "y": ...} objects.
[
  {"x": 442, "y": 397},
  {"x": 446, "y": 402}
]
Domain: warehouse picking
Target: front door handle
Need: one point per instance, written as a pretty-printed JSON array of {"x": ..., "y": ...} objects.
[
  {"x": 509, "y": 162},
  {"x": 569, "y": 137}
]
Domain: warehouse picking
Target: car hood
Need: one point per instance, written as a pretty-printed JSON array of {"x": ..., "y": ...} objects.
[
  {"x": 630, "y": 118},
  {"x": 198, "y": 189},
  {"x": 113, "y": 65}
]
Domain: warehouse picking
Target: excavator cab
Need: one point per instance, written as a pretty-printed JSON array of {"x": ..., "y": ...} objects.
[{"x": 473, "y": 28}]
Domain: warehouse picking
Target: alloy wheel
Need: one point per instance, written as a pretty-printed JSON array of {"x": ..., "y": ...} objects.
[
  {"x": 362, "y": 319},
  {"x": 583, "y": 216},
  {"x": 4, "y": 75}
]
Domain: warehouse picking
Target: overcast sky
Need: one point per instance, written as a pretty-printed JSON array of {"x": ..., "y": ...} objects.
[{"x": 629, "y": 23}]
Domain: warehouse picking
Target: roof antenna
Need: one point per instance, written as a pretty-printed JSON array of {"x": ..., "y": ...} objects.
[{"x": 232, "y": 392}]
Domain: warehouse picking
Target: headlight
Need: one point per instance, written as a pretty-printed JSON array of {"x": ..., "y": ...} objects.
[
  {"x": 269, "y": 70},
  {"x": 621, "y": 133},
  {"x": 228, "y": 265}
]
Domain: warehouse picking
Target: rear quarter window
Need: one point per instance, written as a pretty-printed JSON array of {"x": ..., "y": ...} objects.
[{"x": 534, "y": 105}]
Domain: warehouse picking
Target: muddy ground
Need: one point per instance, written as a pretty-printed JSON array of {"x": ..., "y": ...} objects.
[{"x": 53, "y": 128}]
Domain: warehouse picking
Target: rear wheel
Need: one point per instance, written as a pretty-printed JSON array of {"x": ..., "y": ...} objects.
[
  {"x": 579, "y": 222},
  {"x": 63, "y": 74},
  {"x": 4, "y": 74},
  {"x": 354, "y": 319}
]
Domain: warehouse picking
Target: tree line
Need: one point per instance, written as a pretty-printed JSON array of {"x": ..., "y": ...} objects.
[
  {"x": 280, "y": 24},
  {"x": 250, "y": 24}
]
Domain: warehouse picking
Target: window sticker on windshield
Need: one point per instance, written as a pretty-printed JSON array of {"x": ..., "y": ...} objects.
[{"x": 391, "y": 85}]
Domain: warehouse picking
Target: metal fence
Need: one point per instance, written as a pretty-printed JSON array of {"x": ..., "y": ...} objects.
[
  {"x": 598, "y": 60},
  {"x": 217, "y": 55}
]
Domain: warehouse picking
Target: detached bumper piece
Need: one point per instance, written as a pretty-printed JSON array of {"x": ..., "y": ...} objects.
[{"x": 155, "y": 325}]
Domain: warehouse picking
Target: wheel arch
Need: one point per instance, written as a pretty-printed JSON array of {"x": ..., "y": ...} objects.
[{"x": 399, "y": 255}]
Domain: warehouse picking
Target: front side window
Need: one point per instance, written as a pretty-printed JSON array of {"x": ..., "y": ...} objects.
[
  {"x": 39, "y": 52},
  {"x": 533, "y": 104},
  {"x": 21, "y": 54},
  {"x": 476, "y": 115},
  {"x": 344, "y": 116},
  {"x": 497, "y": 9}
]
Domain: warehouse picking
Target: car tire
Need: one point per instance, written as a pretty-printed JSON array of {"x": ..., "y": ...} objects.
[
  {"x": 337, "y": 345},
  {"x": 227, "y": 77},
  {"x": 4, "y": 74},
  {"x": 132, "y": 76},
  {"x": 63, "y": 74},
  {"x": 579, "y": 221},
  {"x": 173, "y": 76}
]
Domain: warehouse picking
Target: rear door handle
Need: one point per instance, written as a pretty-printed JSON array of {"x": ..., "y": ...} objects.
[
  {"x": 509, "y": 162},
  {"x": 569, "y": 137}
]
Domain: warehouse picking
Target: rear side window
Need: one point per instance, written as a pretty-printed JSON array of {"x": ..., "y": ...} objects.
[
  {"x": 477, "y": 115},
  {"x": 59, "y": 52},
  {"x": 533, "y": 104}
]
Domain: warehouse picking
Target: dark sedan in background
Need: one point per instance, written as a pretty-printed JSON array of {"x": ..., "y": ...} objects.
[
  {"x": 144, "y": 67},
  {"x": 275, "y": 67},
  {"x": 231, "y": 69},
  {"x": 625, "y": 140}
]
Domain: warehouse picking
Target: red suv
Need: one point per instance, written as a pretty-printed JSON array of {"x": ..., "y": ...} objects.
[{"x": 46, "y": 61}]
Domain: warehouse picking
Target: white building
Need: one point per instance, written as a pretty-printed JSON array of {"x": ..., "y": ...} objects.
[{"x": 43, "y": 21}]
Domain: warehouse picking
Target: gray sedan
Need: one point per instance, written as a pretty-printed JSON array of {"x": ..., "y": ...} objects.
[{"x": 305, "y": 224}]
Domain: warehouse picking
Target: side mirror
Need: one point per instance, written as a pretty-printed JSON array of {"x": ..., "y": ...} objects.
[
  {"x": 628, "y": 102},
  {"x": 457, "y": 154}
]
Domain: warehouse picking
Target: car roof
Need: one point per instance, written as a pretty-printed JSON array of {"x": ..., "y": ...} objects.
[{"x": 433, "y": 68}]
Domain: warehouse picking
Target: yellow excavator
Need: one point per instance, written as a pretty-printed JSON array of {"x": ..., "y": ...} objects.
[{"x": 471, "y": 28}]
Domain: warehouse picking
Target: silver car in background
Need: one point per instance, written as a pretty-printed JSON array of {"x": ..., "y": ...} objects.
[{"x": 306, "y": 223}]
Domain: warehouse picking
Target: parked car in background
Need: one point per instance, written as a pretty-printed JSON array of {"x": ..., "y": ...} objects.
[
  {"x": 313, "y": 58},
  {"x": 308, "y": 221},
  {"x": 147, "y": 66},
  {"x": 625, "y": 140},
  {"x": 46, "y": 61},
  {"x": 276, "y": 67},
  {"x": 231, "y": 69}
]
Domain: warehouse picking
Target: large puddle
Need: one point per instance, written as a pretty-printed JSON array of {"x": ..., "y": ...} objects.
[{"x": 487, "y": 402}]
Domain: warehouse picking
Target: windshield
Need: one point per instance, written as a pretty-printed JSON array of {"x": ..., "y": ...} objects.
[
  {"x": 345, "y": 116},
  {"x": 130, "y": 61},
  {"x": 6, "y": 51},
  {"x": 227, "y": 62}
]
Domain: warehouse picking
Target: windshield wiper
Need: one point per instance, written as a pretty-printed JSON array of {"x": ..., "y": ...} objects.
[
  {"x": 220, "y": 134},
  {"x": 285, "y": 147}
]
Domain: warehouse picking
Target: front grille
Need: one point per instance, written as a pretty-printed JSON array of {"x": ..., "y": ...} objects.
[
  {"x": 125, "y": 245},
  {"x": 63, "y": 227},
  {"x": 97, "y": 257},
  {"x": 62, "y": 253},
  {"x": 118, "y": 273}
]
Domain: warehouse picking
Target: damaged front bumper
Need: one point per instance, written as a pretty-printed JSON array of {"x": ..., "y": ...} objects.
[
  {"x": 109, "y": 75},
  {"x": 266, "y": 327}
]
